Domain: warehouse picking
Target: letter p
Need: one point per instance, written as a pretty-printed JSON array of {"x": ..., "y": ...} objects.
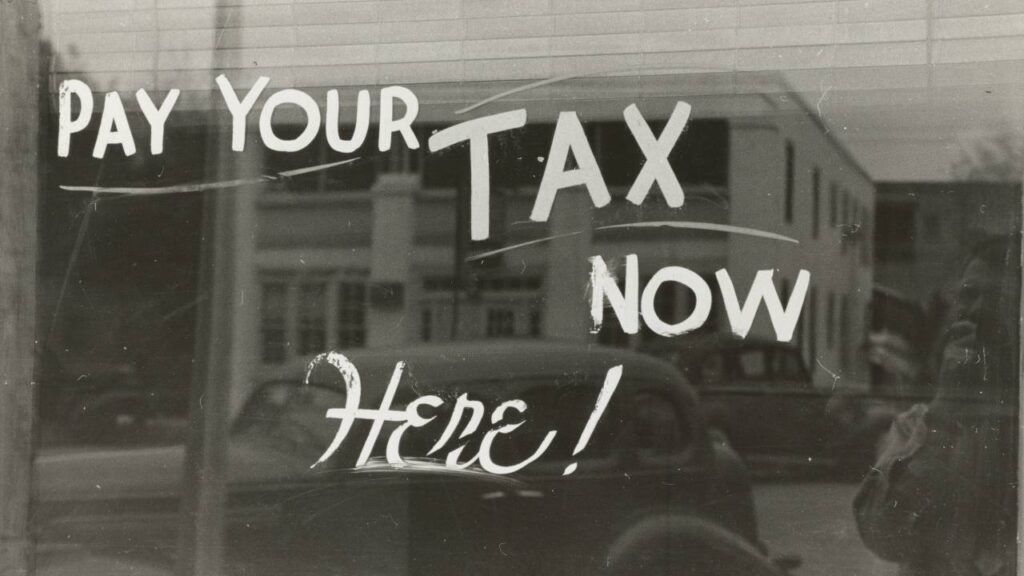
[{"x": 66, "y": 124}]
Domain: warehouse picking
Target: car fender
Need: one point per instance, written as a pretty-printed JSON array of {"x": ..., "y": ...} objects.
[
  {"x": 94, "y": 417},
  {"x": 733, "y": 493},
  {"x": 685, "y": 545},
  {"x": 718, "y": 417}
]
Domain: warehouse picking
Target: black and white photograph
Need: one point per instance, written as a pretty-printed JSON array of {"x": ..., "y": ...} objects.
[{"x": 511, "y": 287}]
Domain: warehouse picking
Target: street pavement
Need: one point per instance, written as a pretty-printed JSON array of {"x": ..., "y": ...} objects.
[{"x": 815, "y": 521}]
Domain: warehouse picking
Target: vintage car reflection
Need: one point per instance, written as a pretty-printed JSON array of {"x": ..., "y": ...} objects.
[
  {"x": 758, "y": 395},
  {"x": 652, "y": 492}
]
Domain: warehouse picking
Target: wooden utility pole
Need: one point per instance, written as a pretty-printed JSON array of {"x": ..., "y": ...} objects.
[
  {"x": 222, "y": 352},
  {"x": 204, "y": 493},
  {"x": 19, "y": 191},
  {"x": 223, "y": 340}
]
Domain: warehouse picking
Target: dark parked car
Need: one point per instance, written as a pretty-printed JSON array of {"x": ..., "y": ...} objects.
[
  {"x": 652, "y": 494},
  {"x": 758, "y": 395},
  {"x": 104, "y": 404}
]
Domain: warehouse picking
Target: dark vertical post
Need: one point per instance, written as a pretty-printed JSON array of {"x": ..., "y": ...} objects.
[
  {"x": 204, "y": 493},
  {"x": 19, "y": 190},
  {"x": 1020, "y": 392},
  {"x": 461, "y": 248},
  {"x": 204, "y": 490}
]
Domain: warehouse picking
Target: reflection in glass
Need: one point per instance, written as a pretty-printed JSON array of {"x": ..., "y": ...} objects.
[{"x": 881, "y": 138}]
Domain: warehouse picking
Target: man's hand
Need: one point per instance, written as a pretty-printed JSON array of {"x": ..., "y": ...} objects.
[{"x": 962, "y": 366}]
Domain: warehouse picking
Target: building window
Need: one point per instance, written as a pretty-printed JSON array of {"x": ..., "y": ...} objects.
[
  {"x": 844, "y": 327},
  {"x": 812, "y": 332},
  {"x": 351, "y": 327},
  {"x": 833, "y": 204},
  {"x": 535, "y": 323},
  {"x": 866, "y": 235},
  {"x": 508, "y": 283},
  {"x": 312, "y": 324},
  {"x": 273, "y": 312},
  {"x": 845, "y": 217},
  {"x": 790, "y": 176},
  {"x": 426, "y": 324},
  {"x": 896, "y": 230},
  {"x": 862, "y": 233},
  {"x": 830, "y": 321},
  {"x": 299, "y": 309},
  {"x": 500, "y": 322},
  {"x": 815, "y": 201}
]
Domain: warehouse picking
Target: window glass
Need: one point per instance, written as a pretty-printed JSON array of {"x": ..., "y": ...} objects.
[
  {"x": 351, "y": 314},
  {"x": 430, "y": 203},
  {"x": 788, "y": 365},
  {"x": 790, "y": 183},
  {"x": 570, "y": 404},
  {"x": 500, "y": 322},
  {"x": 713, "y": 370},
  {"x": 815, "y": 202},
  {"x": 274, "y": 311},
  {"x": 312, "y": 332},
  {"x": 753, "y": 363}
]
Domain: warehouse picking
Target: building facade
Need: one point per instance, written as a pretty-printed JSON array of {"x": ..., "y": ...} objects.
[
  {"x": 777, "y": 166},
  {"x": 376, "y": 255}
]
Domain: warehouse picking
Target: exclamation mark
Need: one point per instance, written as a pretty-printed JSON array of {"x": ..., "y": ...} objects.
[{"x": 611, "y": 382}]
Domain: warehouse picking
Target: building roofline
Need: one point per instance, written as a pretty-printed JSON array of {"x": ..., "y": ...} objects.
[
  {"x": 838, "y": 144},
  {"x": 928, "y": 185}
]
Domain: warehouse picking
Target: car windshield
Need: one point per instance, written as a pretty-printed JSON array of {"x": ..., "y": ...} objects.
[{"x": 289, "y": 417}]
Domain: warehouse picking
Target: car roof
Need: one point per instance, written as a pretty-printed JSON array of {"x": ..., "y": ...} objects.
[
  {"x": 697, "y": 345},
  {"x": 466, "y": 362}
]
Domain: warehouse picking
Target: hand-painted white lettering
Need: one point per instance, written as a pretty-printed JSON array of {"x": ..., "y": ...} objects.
[
  {"x": 604, "y": 287},
  {"x": 411, "y": 417}
]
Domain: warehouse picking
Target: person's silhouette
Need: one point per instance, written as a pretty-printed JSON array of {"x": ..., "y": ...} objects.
[{"x": 942, "y": 498}]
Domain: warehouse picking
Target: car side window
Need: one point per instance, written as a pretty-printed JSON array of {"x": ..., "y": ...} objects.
[
  {"x": 565, "y": 408},
  {"x": 660, "y": 428},
  {"x": 711, "y": 371},
  {"x": 752, "y": 364},
  {"x": 789, "y": 366}
]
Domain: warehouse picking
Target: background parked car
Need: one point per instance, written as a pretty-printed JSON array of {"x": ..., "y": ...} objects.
[
  {"x": 759, "y": 395},
  {"x": 107, "y": 404}
]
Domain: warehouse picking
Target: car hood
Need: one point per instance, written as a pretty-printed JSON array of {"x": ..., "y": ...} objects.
[
  {"x": 87, "y": 474},
  {"x": 101, "y": 473}
]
